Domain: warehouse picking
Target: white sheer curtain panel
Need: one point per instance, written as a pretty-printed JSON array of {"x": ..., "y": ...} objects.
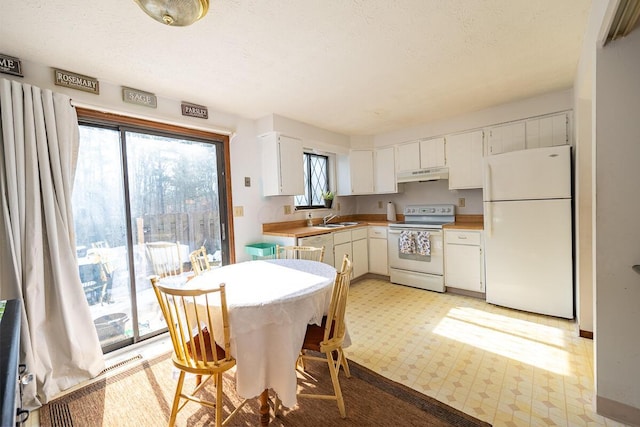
[{"x": 39, "y": 147}]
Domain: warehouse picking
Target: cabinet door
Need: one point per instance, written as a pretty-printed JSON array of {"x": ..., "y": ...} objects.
[
  {"x": 385, "y": 171},
  {"x": 291, "y": 169},
  {"x": 361, "y": 171},
  {"x": 432, "y": 153},
  {"x": 360, "y": 257},
  {"x": 378, "y": 257},
  {"x": 464, "y": 158},
  {"x": 408, "y": 156},
  {"x": 463, "y": 267},
  {"x": 548, "y": 131},
  {"x": 339, "y": 251},
  {"x": 282, "y": 169},
  {"x": 505, "y": 138}
]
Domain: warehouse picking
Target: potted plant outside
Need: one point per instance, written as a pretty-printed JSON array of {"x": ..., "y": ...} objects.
[{"x": 327, "y": 197}]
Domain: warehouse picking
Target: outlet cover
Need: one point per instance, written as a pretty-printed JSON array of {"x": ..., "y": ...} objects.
[
  {"x": 461, "y": 202},
  {"x": 287, "y": 209}
]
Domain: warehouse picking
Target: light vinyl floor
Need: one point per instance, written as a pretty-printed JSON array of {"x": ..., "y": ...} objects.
[{"x": 503, "y": 366}]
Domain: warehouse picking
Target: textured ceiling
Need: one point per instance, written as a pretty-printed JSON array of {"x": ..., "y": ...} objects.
[{"x": 356, "y": 67}]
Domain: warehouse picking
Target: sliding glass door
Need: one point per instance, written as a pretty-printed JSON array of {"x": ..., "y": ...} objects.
[{"x": 135, "y": 190}]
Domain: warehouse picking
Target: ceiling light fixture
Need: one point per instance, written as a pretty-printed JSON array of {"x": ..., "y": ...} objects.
[{"x": 177, "y": 13}]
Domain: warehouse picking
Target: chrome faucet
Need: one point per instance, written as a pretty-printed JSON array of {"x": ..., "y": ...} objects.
[{"x": 326, "y": 219}]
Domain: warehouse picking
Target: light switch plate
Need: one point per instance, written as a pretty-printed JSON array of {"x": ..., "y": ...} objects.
[
  {"x": 247, "y": 181},
  {"x": 238, "y": 211}
]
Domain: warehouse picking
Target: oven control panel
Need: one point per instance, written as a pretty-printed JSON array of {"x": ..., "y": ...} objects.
[{"x": 429, "y": 210}]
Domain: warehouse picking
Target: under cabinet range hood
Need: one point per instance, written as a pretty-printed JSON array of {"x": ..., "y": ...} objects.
[{"x": 430, "y": 174}]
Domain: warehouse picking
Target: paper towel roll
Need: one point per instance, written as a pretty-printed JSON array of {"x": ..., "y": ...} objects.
[{"x": 391, "y": 212}]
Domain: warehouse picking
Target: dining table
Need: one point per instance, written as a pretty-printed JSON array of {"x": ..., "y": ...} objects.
[{"x": 270, "y": 304}]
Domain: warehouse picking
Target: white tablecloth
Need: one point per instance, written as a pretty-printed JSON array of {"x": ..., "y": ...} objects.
[{"x": 270, "y": 304}]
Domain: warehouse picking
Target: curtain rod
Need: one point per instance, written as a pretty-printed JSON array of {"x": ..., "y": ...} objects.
[{"x": 102, "y": 109}]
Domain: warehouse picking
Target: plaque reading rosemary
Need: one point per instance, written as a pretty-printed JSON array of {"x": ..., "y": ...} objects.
[
  {"x": 76, "y": 81},
  {"x": 193, "y": 110},
  {"x": 10, "y": 65},
  {"x": 135, "y": 96}
]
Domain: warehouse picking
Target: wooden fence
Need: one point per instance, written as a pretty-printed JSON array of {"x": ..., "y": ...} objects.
[{"x": 194, "y": 229}]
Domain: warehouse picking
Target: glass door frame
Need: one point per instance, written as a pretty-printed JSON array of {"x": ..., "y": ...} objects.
[{"x": 124, "y": 124}]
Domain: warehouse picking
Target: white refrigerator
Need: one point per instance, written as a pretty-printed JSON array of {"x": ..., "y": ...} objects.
[{"x": 528, "y": 230}]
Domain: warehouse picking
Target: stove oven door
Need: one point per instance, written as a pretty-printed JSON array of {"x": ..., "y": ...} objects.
[{"x": 431, "y": 264}]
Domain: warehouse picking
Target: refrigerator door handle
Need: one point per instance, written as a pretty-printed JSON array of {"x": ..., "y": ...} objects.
[{"x": 488, "y": 220}]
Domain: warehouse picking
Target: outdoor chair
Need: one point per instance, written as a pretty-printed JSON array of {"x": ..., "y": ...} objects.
[{"x": 167, "y": 263}]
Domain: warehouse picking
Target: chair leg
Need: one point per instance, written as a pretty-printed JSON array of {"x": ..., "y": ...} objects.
[
  {"x": 176, "y": 399},
  {"x": 218, "y": 380},
  {"x": 345, "y": 364},
  {"x": 336, "y": 384}
]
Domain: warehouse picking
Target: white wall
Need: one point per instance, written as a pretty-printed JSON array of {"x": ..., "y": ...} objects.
[
  {"x": 617, "y": 240},
  {"x": 584, "y": 167},
  {"x": 420, "y": 193}
]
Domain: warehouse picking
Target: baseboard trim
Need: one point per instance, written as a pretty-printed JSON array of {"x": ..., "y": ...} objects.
[
  {"x": 617, "y": 411},
  {"x": 586, "y": 334},
  {"x": 467, "y": 293}
]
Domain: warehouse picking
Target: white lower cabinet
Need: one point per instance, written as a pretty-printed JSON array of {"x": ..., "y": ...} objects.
[
  {"x": 353, "y": 243},
  {"x": 378, "y": 255},
  {"x": 464, "y": 260}
]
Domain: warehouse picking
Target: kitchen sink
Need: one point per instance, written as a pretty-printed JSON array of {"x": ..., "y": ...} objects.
[{"x": 337, "y": 224}]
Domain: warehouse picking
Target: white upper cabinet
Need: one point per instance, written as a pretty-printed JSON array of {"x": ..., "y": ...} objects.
[
  {"x": 421, "y": 154},
  {"x": 361, "y": 167},
  {"x": 548, "y": 131},
  {"x": 464, "y": 158},
  {"x": 432, "y": 153},
  {"x": 367, "y": 172},
  {"x": 385, "y": 171},
  {"x": 505, "y": 138},
  {"x": 282, "y": 168},
  {"x": 408, "y": 156}
]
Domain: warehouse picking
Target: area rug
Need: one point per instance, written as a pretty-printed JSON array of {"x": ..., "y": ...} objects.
[{"x": 142, "y": 396}]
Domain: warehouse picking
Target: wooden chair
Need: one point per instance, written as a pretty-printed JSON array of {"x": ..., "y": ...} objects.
[
  {"x": 300, "y": 252},
  {"x": 199, "y": 261},
  {"x": 167, "y": 263},
  {"x": 329, "y": 336},
  {"x": 198, "y": 320}
]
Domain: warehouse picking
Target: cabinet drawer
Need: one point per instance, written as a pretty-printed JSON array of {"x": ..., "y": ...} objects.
[
  {"x": 462, "y": 237},
  {"x": 359, "y": 233},
  {"x": 341, "y": 237},
  {"x": 378, "y": 232}
]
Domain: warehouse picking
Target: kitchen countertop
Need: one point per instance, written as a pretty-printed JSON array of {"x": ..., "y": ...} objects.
[
  {"x": 300, "y": 228},
  {"x": 466, "y": 222}
]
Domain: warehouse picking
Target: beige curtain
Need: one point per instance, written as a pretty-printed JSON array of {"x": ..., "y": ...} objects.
[{"x": 39, "y": 146}]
